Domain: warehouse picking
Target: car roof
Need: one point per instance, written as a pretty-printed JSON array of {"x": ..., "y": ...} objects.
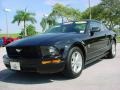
[{"x": 84, "y": 20}]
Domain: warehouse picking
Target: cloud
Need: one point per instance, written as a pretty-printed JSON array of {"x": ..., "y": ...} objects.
[
  {"x": 71, "y": 2},
  {"x": 95, "y": 2},
  {"x": 53, "y": 2},
  {"x": 50, "y": 2}
]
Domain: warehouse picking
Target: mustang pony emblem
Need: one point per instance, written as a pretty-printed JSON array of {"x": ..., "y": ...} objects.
[{"x": 18, "y": 50}]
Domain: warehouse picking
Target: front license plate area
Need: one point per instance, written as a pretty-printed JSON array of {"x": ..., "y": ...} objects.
[{"x": 15, "y": 66}]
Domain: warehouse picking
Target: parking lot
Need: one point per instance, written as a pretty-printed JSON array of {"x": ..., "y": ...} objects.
[{"x": 102, "y": 75}]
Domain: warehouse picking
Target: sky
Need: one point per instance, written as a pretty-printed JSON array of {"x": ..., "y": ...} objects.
[{"x": 39, "y": 7}]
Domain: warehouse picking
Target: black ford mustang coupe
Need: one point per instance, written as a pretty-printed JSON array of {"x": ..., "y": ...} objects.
[{"x": 65, "y": 47}]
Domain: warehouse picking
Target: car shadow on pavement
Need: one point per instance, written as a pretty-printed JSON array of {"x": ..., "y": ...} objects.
[
  {"x": 29, "y": 78},
  {"x": 9, "y": 76}
]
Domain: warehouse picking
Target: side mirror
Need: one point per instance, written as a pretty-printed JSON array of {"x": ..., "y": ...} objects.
[{"x": 94, "y": 29}]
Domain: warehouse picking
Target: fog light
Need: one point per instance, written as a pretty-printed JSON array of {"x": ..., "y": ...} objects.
[
  {"x": 56, "y": 61},
  {"x": 46, "y": 62},
  {"x": 51, "y": 61}
]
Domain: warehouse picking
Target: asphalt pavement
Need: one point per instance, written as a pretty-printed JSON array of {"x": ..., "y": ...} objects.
[{"x": 101, "y": 75}]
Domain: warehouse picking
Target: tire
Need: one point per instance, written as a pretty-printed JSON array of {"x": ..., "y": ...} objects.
[
  {"x": 112, "y": 51},
  {"x": 74, "y": 63}
]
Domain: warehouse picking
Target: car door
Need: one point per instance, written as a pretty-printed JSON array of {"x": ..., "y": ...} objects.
[
  {"x": 96, "y": 42},
  {"x": 105, "y": 31}
]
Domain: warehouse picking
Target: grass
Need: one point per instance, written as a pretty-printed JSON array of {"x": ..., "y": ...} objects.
[{"x": 10, "y": 35}]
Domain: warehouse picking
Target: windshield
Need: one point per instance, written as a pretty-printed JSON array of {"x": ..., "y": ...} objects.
[{"x": 78, "y": 28}]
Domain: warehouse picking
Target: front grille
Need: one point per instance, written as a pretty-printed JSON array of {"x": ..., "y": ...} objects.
[{"x": 24, "y": 52}]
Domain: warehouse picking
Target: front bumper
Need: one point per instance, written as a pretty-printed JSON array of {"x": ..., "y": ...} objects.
[{"x": 34, "y": 65}]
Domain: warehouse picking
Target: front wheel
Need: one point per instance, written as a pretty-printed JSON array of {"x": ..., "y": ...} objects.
[
  {"x": 112, "y": 51},
  {"x": 75, "y": 63}
]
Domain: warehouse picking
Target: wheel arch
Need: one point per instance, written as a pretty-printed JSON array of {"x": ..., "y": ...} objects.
[
  {"x": 114, "y": 39},
  {"x": 81, "y": 46},
  {"x": 78, "y": 44},
  {"x": 67, "y": 70}
]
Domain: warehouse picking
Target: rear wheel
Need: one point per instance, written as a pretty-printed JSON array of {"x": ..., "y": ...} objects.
[
  {"x": 112, "y": 51},
  {"x": 75, "y": 63}
]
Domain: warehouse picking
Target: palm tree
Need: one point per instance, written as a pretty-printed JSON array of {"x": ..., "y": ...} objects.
[
  {"x": 24, "y": 16},
  {"x": 43, "y": 23},
  {"x": 48, "y": 22}
]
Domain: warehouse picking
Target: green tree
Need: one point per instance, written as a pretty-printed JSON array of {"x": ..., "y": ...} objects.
[
  {"x": 107, "y": 11},
  {"x": 43, "y": 23},
  {"x": 96, "y": 13},
  {"x": 111, "y": 12},
  {"x": 30, "y": 30},
  {"x": 47, "y": 22},
  {"x": 60, "y": 11},
  {"x": 24, "y": 16}
]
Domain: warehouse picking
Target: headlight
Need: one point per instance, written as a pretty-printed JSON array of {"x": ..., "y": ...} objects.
[
  {"x": 53, "y": 50},
  {"x": 49, "y": 50}
]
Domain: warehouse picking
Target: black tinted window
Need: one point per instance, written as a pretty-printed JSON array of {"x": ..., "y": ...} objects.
[
  {"x": 95, "y": 24},
  {"x": 78, "y": 28},
  {"x": 103, "y": 27}
]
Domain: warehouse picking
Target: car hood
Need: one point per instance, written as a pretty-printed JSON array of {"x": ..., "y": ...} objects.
[{"x": 43, "y": 39}]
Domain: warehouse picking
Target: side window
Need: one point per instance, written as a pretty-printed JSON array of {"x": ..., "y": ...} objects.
[
  {"x": 103, "y": 27},
  {"x": 80, "y": 28},
  {"x": 95, "y": 24}
]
